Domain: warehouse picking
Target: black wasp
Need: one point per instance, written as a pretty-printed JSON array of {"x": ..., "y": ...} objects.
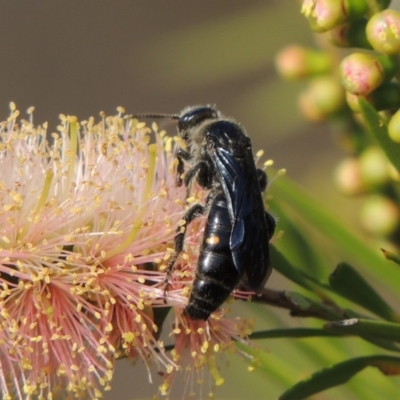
[{"x": 235, "y": 243}]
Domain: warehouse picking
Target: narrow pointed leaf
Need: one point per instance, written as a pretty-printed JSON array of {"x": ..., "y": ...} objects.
[
  {"x": 292, "y": 332},
  {"x": 391, "y": 256},
  {"x": 282, "y": 265},
  {"x": 378, "y": 128},
  {"x": 384, "y": 343},
  {"x": 340, "y": 373},
  {"x": 329, "y": 224},
  {"x": 298, "y": 249},
  {"x": 287, "y": 269},
  {"x": 300, "y": 305},
  {"x": 318, "y": 332},
  {"x": 267, "y": 363},
  {"x": 357, "y": 326},
  {"x": 346, "y": 281}
]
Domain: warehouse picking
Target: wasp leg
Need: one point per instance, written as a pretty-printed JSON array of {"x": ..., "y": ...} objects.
[
  {"x": 181, "y": 155},
  {"x": 192, "y": 172},
  {"x": 270, "y": 223},
  {"x": 263, "y": 182},
  {"x": 203, "y": 172},
  {"x": 262, "y": 179},
  {"x": 195, "y": 211}
]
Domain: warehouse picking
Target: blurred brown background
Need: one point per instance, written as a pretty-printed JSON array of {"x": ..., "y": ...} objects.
[{"x": 83, "y": 57}]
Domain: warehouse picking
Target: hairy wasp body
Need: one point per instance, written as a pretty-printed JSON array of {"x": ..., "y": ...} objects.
[{"x": 236, "y": 238}]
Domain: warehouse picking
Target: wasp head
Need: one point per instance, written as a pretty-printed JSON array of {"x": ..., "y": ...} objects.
[{"x": 191, "y": 118}]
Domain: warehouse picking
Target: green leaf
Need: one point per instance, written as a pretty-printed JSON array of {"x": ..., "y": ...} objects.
[
  {"x": 291, "y": 332},
  {"x": 328, "y": 223},
  {"x": 270, "y": 365},
  {"x": 299, "y": 300},
  {"x": 391, "y": 256},
  {"x": 282, "y": 265},
  {"x": 298, "y": 249},
  {"x": 333, "y": 331},
  {"x": 364, "y": 327},
  {"x": 339, "y": 374},
  {"x": 300, "y": 305},
  {"x": 346, "y": 281},
  {"x": 379, "y": 129}
]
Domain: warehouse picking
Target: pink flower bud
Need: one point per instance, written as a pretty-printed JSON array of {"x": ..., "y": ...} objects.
[
  {"x": 296, "y": 62},
  {"x": 394, "y": 127},
  {"x": 323, "y": 97},
  {"x": 362, "y": 73},
  {"x": 349, "y": 34},
  {"x": 348, "y": 177},
  {"x": 374, "y": 167},
  {"x": 380, "y": 215},
  {"x": 383, "y": 32},
  {"x": 324, "y": 15}
]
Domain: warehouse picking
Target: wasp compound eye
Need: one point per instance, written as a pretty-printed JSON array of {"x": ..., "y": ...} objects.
[{"x": 195, "y": 116}]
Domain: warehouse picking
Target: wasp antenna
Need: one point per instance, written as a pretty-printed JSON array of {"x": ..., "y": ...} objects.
[{"x": 149, "y": 116}]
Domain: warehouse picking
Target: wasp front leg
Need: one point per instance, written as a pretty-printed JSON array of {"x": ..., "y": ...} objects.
[
  {"x": 192, "y": 213},
  {"x": 181, "y": 156}
]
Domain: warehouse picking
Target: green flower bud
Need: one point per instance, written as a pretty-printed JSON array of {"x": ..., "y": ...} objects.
[
  {"x": 347, "y": 177},
  {"x": 386, "y": 97},
  {"x": 362, "y": 73},
  {"x": 349, "y": 34},
  {"x": 296, "y": 62},
  {"x": 380, "y": 215},
  {"x": 383, "y": 32},
  {"x": 394, "y": 127},
  {"x": 323, "y": 97},
  {"x": 352, "y": 102},
  {"x": 324, "y": 15},
  {"x": 394, "y": 174},
  {"x": 374, "y": 168}
]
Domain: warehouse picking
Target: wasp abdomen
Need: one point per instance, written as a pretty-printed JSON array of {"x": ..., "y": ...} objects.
[
  {"x": 206, "y": 296},
  {"x": 216, "y": 275}
]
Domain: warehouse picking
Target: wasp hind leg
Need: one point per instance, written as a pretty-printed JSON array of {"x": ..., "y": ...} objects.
[
  {"x": 263, "y": 183},
  {"x": 192, "y": 213}
]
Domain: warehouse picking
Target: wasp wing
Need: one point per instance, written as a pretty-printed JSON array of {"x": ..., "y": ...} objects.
[{"x": 249, "y": 236}]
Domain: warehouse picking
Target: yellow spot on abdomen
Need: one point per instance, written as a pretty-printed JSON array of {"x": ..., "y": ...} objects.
[{"x": 213, "y": 239}]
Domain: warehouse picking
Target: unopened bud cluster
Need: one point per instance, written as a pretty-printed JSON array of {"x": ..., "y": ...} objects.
[{"x": 336, "y": 80}]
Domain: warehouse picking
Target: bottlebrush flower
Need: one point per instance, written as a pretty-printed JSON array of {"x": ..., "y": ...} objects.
[
  {"x": 80, "y": 220},
  {"x": 86, "y": 228},
  {"x": 198, "y": 344}
]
